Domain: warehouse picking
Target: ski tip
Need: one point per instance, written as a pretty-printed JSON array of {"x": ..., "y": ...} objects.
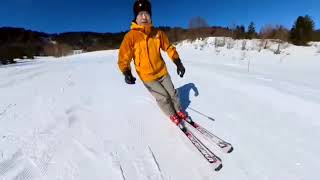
[
  {"x": 218, "y": 168},
  {"x": 230, "y": 150}
]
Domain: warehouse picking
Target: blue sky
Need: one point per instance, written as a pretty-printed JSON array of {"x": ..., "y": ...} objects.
[{"x": 55, "y": 16}]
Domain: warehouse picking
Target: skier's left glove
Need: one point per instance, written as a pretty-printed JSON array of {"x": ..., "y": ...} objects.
[{"x": 180, "y": 68}]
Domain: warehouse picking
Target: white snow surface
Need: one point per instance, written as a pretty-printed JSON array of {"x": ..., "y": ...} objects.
[{"x": 74, "y": 118}]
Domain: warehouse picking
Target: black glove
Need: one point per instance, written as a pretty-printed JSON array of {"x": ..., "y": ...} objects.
[
  {"x": 129, "y": 78},
  {"x": 180, "y": 68}
]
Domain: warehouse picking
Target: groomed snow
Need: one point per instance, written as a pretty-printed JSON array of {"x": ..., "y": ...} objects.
[{"x": 75, "y": 118}]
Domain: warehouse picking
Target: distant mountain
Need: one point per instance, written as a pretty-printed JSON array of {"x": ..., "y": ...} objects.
[
  {"x": 20, "y": 42},
  {"x": 9, "y": 35},
  {"x": 76, "y": 40}
]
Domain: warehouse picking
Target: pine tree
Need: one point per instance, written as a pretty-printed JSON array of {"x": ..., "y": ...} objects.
[
  {"x": 251, "y": 31},
  {"x": 301, "y": 32}
]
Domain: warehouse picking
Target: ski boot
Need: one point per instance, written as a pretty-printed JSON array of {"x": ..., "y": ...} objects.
[
  {"x": 182, "y": 115},
  {"x": 175, "y": 119}
]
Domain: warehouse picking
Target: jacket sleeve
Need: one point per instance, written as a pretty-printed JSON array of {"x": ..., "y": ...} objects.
[
  {"x": 125, "y": 53},
  {"x": 168, "y": 47}
]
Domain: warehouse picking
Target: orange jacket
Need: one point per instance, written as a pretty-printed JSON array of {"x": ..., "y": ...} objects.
[{"x": 143, "y": 44}]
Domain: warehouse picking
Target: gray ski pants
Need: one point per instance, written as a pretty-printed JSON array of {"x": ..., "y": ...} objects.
[{"x": 165, "y": 94}]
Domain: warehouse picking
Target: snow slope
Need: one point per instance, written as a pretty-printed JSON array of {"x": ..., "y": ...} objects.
[{"x": 75, "y": 118}]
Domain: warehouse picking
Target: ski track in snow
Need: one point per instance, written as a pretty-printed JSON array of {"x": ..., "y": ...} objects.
[
  {"x": 20, "y": 76},
  {"x": 143, "y": 164},
  {"x": 18, "y": 167}
]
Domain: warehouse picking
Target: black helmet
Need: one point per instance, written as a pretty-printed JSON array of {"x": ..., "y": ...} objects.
[{"x": 141, "y": 5}]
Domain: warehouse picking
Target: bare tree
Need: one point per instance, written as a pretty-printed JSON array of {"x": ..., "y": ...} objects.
[
  {"x": 274, "y": 32},
  {"x": 64, "y": 49},
  {"x": 281, "y": 33},
  {"x": 57, "y": 50},
  {"x": 49, "y": 50},
  {"x": 266, "y": 31}
]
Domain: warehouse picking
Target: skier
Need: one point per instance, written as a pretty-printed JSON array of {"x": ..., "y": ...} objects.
[{"x": 142, "y": 44}]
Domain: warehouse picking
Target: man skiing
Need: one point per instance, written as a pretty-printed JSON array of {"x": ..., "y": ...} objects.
[{"x": 142, "y": 44}]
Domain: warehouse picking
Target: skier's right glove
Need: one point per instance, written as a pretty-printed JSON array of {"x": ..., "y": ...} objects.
[
  {"x": 180, "y": 68},
  {"x": 129, "y": 78}
]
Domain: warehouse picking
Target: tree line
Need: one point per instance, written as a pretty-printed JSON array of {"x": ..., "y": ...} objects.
[{"x": 21, "y": 43}]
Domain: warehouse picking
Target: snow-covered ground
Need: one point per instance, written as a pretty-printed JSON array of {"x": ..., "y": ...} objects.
[{"x": 75, "y": 118}]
